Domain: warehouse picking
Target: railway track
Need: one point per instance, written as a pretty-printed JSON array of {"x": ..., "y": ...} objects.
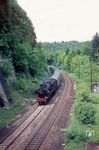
[
  {"x": 31, "y": 131},
  {"x": 7, "y": 131},
  {"x": 55, "y": 137},
  {"x": 44, "y": 130}
]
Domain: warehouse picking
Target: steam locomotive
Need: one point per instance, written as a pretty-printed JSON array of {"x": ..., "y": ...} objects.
[{"x": 49, "y": 87}]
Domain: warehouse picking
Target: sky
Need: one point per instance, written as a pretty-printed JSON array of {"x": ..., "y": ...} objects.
[{"x": 63, "y": 20}]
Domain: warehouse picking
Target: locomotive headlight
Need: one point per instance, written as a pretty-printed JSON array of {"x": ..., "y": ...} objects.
[{"x": 46, "y": 97}]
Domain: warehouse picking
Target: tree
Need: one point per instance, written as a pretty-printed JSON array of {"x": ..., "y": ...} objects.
[
  {"x": 18, "y": 40},
  {"x": 16, "y": 27},
  {"x": 20, "y": 58},
  {"x": 95, "y": 48},
  {"x": 85, "y": 113},
  {"x": 80, "y": 66}
]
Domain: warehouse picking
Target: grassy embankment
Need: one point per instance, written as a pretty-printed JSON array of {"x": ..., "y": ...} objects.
[
  {"x": 84, "y": 118},
  {"x": 23, "y": 94}
]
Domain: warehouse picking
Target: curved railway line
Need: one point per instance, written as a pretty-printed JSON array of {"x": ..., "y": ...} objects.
[{"x": 30, "y": 130}]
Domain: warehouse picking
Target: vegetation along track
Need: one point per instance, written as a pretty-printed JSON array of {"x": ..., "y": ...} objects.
[{"x": 32, "y": 131}]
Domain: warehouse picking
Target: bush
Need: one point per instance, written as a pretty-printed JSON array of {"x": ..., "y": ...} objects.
[
  {"x": 94, "y": 98},
  {"x": 20, "y": 85},
  {"x": 85, "y": 113},
  {"x": 26, "y": 86},
  {"x": 83, "y": 95},
  {"x": 74, "y": 136},
  {"x": 6, "y": 67},
  {"x": 73, "y": 76},
  {"x": 83, "y": 92}
]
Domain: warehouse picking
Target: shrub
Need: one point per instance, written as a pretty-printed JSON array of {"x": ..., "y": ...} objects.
[
  {"x": 83, "y": 95},
  {"x": 94, "y": 98},
  {"x": 76, "y": 137},
  {"x": 83, "y": 92},
  {"x": 85, "y": 113},
  {"x": 20, "y": 85},
  {"x": 26, "y": 86},
  {"x": 6, "y": 67}
]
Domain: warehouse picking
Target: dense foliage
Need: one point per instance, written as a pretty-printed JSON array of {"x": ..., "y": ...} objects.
[
  {"x": 6, "y": 67},
  {"x": 81, "y": 61},
  {"x": 64, "y": 46},
  {"x": 23, "y": 61},
  {"x": 95, "y": 48},
  {"x": 18, "y": 40},
  {"x": 85, "y": 113}
]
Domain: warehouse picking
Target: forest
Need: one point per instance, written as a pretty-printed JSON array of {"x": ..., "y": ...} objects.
[
  {"x": 84, "y": 70},
  {"x": 63, "y": 46},
  {"x": 21, "y": 58},
  {"x": 82, "y": 65},
  {"x": 24, "y": 64}
]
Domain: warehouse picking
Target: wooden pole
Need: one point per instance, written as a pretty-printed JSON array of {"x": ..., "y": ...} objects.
[{"x": 91, "y": 75}]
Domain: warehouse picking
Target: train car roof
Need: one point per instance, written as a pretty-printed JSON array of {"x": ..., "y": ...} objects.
[{"x": 56, "y": 74}]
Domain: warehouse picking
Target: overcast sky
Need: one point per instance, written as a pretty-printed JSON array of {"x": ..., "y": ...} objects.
[{"x": 63, "y": 20}]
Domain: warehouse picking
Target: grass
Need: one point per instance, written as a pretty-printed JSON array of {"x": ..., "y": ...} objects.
[
  {"x": 21, "y": 102},
  {"x": 75, "y": 135},
  {"x": 23, "y": 94},
  {"x": 7, "y": 115},
  {"x": 79, "y": 132},
  {"x": 75, "y": 146},
  {"x": 78, "y": 143}
]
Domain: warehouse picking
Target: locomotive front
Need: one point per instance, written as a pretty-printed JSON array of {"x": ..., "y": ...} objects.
[{"x": 42, "y": 94}]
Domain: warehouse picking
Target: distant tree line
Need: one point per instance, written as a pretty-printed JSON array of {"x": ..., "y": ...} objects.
[{"x": 64, "y": 46}]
